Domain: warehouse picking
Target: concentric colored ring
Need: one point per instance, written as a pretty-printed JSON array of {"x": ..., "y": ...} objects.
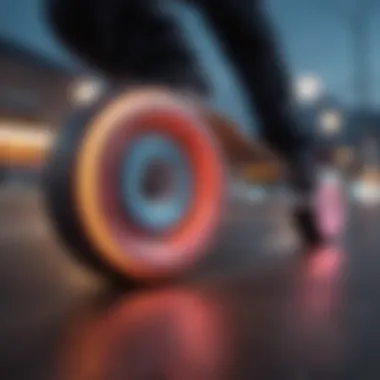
[
  {"x": 150, "y": 213},
  {"x": 121, "y": 244}
]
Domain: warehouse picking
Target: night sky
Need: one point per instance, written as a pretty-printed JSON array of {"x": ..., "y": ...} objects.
[{"x": 315, "y": 39}]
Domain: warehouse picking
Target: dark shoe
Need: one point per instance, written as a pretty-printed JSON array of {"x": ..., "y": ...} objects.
[
  {"x": 304, "y": 183},
  {"x": 306, "y": 222}
]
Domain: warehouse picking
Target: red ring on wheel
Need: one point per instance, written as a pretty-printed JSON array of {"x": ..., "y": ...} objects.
[{"x": 118, "y": 241}]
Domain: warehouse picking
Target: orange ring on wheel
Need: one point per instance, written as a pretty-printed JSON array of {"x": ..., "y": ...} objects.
[{"x": 118, "y": 242}]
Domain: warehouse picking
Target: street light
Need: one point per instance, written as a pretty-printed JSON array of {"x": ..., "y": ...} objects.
[
  {"x": 85, "y": 90},
  {"x": 308, "y": 88},
  {"x": 330, "y": 122}
]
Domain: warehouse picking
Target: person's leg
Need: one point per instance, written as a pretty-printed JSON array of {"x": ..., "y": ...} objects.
[
  {"x": 247, "y": 37},
  {"x": 132, "y": 40}
]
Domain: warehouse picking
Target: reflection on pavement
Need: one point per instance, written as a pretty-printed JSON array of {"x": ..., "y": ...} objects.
[
  {"x": 168, "y": 334},
  {"x": 282, "y": 318},
  {"x": 288, "y": 326},
  {"x": 318, "y": 315}
]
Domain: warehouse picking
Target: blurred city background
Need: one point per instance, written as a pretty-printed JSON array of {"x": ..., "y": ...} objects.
[
  {"x": 329, "y": 46},
  {"x": 276, "y": 317}
]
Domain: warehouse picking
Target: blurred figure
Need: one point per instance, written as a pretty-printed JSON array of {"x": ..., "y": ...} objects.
[{"x": 139, "y": 41}]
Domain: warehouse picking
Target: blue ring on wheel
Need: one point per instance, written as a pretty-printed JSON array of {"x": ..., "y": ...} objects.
[{"x": 155, "y": 215}]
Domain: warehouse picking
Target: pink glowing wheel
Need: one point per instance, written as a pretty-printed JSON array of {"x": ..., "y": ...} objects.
[
  {"x": 136, "y": 185},
  {"x": 330, "y": 206}
]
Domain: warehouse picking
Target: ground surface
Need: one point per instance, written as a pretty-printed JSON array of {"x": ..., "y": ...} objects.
[{"x": 253, "y": 310}]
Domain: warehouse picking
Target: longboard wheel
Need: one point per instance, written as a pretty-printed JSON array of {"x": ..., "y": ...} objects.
[
  {"x": 139, "y": 185},
  {"x": 330, "y": 206}
]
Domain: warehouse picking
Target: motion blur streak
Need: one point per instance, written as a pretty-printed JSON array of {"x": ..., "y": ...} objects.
[{"x": 23, "y": 147}]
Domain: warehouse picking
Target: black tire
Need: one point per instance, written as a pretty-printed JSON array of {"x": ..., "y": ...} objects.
[{"x": 57, "y": 184}]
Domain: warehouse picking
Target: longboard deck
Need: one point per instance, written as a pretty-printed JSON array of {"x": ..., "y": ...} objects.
[
  {"x": 250, "y": 158},
  {"x": 235, "y": 145}
]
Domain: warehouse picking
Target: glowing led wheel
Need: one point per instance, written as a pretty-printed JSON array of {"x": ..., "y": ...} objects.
[
  {"x": 331, "y": 206},
  {"x": 137, "y": 185}
]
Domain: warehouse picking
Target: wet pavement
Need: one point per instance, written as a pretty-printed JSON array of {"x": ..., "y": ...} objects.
[{"x": 252, "y": 310}]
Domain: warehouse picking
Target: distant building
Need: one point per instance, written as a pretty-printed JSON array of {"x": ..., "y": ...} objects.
[
  {"x": 33, "y": 90},
  {"x": 344, "y": 136},
  {"x": 33, "y": 94},
  {"x": 325, "y": 119}
]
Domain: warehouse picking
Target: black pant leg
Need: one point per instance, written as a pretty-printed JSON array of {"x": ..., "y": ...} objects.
[
  {"x": 134, "y": 39},
  {"x": 248, "y": 38}
]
